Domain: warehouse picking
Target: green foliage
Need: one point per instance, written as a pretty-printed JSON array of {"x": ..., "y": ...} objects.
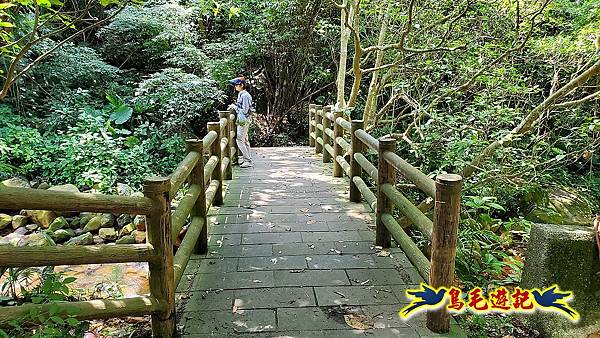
[
  {"x": 174, "y": 99},
  {"x": 188, "y": 58}
]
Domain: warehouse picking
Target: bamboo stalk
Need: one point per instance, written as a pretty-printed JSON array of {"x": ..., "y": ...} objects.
[
  {"x": 411, "y": 250},
  {"x": 39, "y": 199},
  {"x": 409, "y": 210},
  {"x": 413, "y": 174},
  {"x": 27, "y": 256},
  {"x": 187, "y": 247},
  {"x": 85, "y": 310}
]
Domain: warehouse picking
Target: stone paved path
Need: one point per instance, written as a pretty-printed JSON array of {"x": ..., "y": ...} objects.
[{"x": 289, "y": 256}]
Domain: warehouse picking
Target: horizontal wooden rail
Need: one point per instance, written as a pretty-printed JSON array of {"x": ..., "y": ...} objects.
[
  {"x": 183, "y": 170},
  {"x": 184, "y": 208},
  {"x": 367, "y": 139},
  {"x": 320, "y": 126},
  {"x": 208, "y": 140},
  {"x": 210, "y": 166},
  {"x": 345, "y": 165},
  {"x": 84, "y": 310},
  {"x": 328, "y": 148},
  {"x": 186, "y": 248},
  {"x": 344, "y": 144},
  {"x": 346, "y": 125},
  {"x": 313, "y": 135},
  {"x": 39, "y": 199},
  {"x": 313, "y": 123},
  {"x": 320, "y": 141},
  {"x": 223, "y": 123},
  {"x": 211, "y": 192},
  {"x": 330, "y": 116},
  {"x": 366, "y": 192},
  {"x": 422, "y": 181},
  {"x": 224, "y": 143},
  {"x": 13, "y": 257},
  {"x": 329, "y": 133},
  {"x": 409, "y": 247},
  {"x": 408, "y": 209},
  {"x": 367, "y": 166},
  {"x": 224, "y": 165}
]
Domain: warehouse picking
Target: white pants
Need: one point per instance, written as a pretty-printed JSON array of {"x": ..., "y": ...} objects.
[{"x": 243, "y": 143}]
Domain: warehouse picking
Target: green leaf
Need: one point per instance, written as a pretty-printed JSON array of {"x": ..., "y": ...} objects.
[
  {"x": 57, "y": 320},
  {"x": 6, "y": 5},
  {"x": 72, "y": 321},
  {"x": 69, "y": 280},
  {"x": 37, "y": 300},
  {"x": 496, "y": 206},
  {"x": 44, "y": 3},
  {"x": 122, "y": 114},
  {"x": 132, "y": 141},
  {"x": 6, "y": 24}
]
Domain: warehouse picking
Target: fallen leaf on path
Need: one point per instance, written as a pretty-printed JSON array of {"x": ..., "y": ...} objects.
[
  {"x": 235, "y": 308},
  {"x": 383, "y": 253},
  {"x": 274, "y": 260},
  {"x": 308, "y": 259},
  {"x": 311, "y": 221},
  {"x": 257, "y": 281},
  {"x": 340, "y": 294},
  {"x": 305, "y": 210},
  {"x": 359, "y": 322}
]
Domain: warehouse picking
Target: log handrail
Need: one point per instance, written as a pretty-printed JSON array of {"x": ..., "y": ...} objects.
[
  {"x": 204, "y": 188},
  {"x": 446, "y": 189}
]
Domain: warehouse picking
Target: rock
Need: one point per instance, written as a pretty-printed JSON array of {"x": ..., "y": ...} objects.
[
  {"x": 124, "y": 189},
  {"x": 13, "y": 239},
  {"x": 19, "y": 221},
  {"x": 126, "y": 230},
  {"x": 73, "y": 222},
  {"x": 123, "y": 220},
  {"x": 62, "y": 235},
  {"x": 109, "y": 234},
  {"x": 85, "y": 217},
  {"x": 84, "y": 239},
  {"x": 42, "y": 218},
  {"x": 64, "y": 187},
  {"x": 32, "y": 227},
  {"x": 139, "y": 236},
  {"x": 58, "y": 223},
  {"x": 560, "y": 205},
  {"x": 140, "y": 222},
  {"x": 21, "y": 231},
  {"x": 79, "y": 231},
  {"x": 39, "y": 239},
  {"x": 5, "y": 220},
  {"x": 99, "y": 221},
  {"x": 127, "y": 239},
  {"x": 43, "y": 185},
  {"x": 138, "y": 194},
  {"x": 16, "y": 182},
  {"x": 98, "y": 240}
]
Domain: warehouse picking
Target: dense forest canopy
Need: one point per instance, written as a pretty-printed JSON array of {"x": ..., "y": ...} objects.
[{"x": 503, "y": 91}]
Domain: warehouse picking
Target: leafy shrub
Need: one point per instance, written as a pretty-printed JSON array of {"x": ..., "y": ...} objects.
[
  {"x": 139, "y": 36},
  {"x": 176, "y": 100},
  {"x": 189, "y": 58}
]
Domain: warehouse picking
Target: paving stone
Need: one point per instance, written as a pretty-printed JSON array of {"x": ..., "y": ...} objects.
[
  {"x": 355, "y": 295},
  {"x": 224, "y": 240},
  {"x": 215, "y": 265},
  {"x": 273, "y": 238},
  {"x": 274, "y": 298},
  {"x": 209, "y": 300},
  {"x": 357, "y": 261},
  {"x": 240, "y": 251},
  {"x": 228, "y": 323},
  {"x": 310, "y": 277},
  {"x": 272, "y": 263},
  {"x": 378, "y": 277},
  {"x": 233, "y": 280},
  {"x": 314, "y": 318},
  {"x": 392, "y": 332},
  {"x": 305, "y": 249},
  {"x": 330, "y": 236}
]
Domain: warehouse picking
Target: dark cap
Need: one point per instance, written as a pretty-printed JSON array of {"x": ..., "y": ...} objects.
[{"x": 237, "y": 81}]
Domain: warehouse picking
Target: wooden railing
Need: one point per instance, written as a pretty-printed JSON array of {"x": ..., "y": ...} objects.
[
  {"x": 205, "y": 188},
  {"x": 327, "y": 133}
]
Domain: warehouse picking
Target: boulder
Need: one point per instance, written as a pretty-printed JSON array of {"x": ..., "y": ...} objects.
[
  {"x": 98, "y": 240},
  {"x": 85, "y": 217},
  {"x": 32, "y": 227},
  {"x": 19, "y": 221},
  {"x": 64, "y": 187},
  {"x": 127, "y": 239},
  {"x": 99, "y": 221},
  {"x": 21, "y": 231},
  {"x": 62, "y": 235},
  {"x": 84, "y": 239},
  {"x": 13, "y": 239},
  {"x": 43, "y": 185},
  {"x": 139, "y": 236},
  {"x": 124, "y": 189},
  {"x": 109, "y": 234},
  {"x": 123, "y": 220},
  {"x": 126, "y": 230},
  {"x": 73, "y": 222},
  {"x": 16, "y": 182},
  {"x": 58, "y": 223},
  {"x": 566, "y": 256},
  {"x": 140, "y": 222},
  {"x": 559, "y": 205},
  {"x": 5, "y": 220},
  {"x": 42, "y": 218},
  {"x": 39, "y": 239}
]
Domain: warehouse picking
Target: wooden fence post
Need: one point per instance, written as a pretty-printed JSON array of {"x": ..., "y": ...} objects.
[
  {"x": 161, "y": 275},
  {"x": 355, "y": 168},
  {"x": 318, "y": 132},
  {"x": 326, "y": 138},
  {"x": 199, "y": 210},
  {"x": 215, "y": 150},
  {"x": 386, "y": 174},
  {"x": 227, "y": 152},
  {"x": 311, "y": 128},
  {"x": 338, "y": 131},
  {"x": 443, "y": 243}
]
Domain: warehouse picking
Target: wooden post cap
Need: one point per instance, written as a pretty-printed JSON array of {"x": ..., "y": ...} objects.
[
  {"x": 157, "y": 185},
  {"x": 357, "y": 124},
  {"x": 194, "y": 145},
  {"x": 387, "y": 143},
  {"x": 312, "y": 106},
  {"x": 218, "y": 124},
  {"x": 448, "y": 179}
]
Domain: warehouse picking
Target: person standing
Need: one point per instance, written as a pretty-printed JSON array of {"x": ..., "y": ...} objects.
[{"x": 243, "y": 109}]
